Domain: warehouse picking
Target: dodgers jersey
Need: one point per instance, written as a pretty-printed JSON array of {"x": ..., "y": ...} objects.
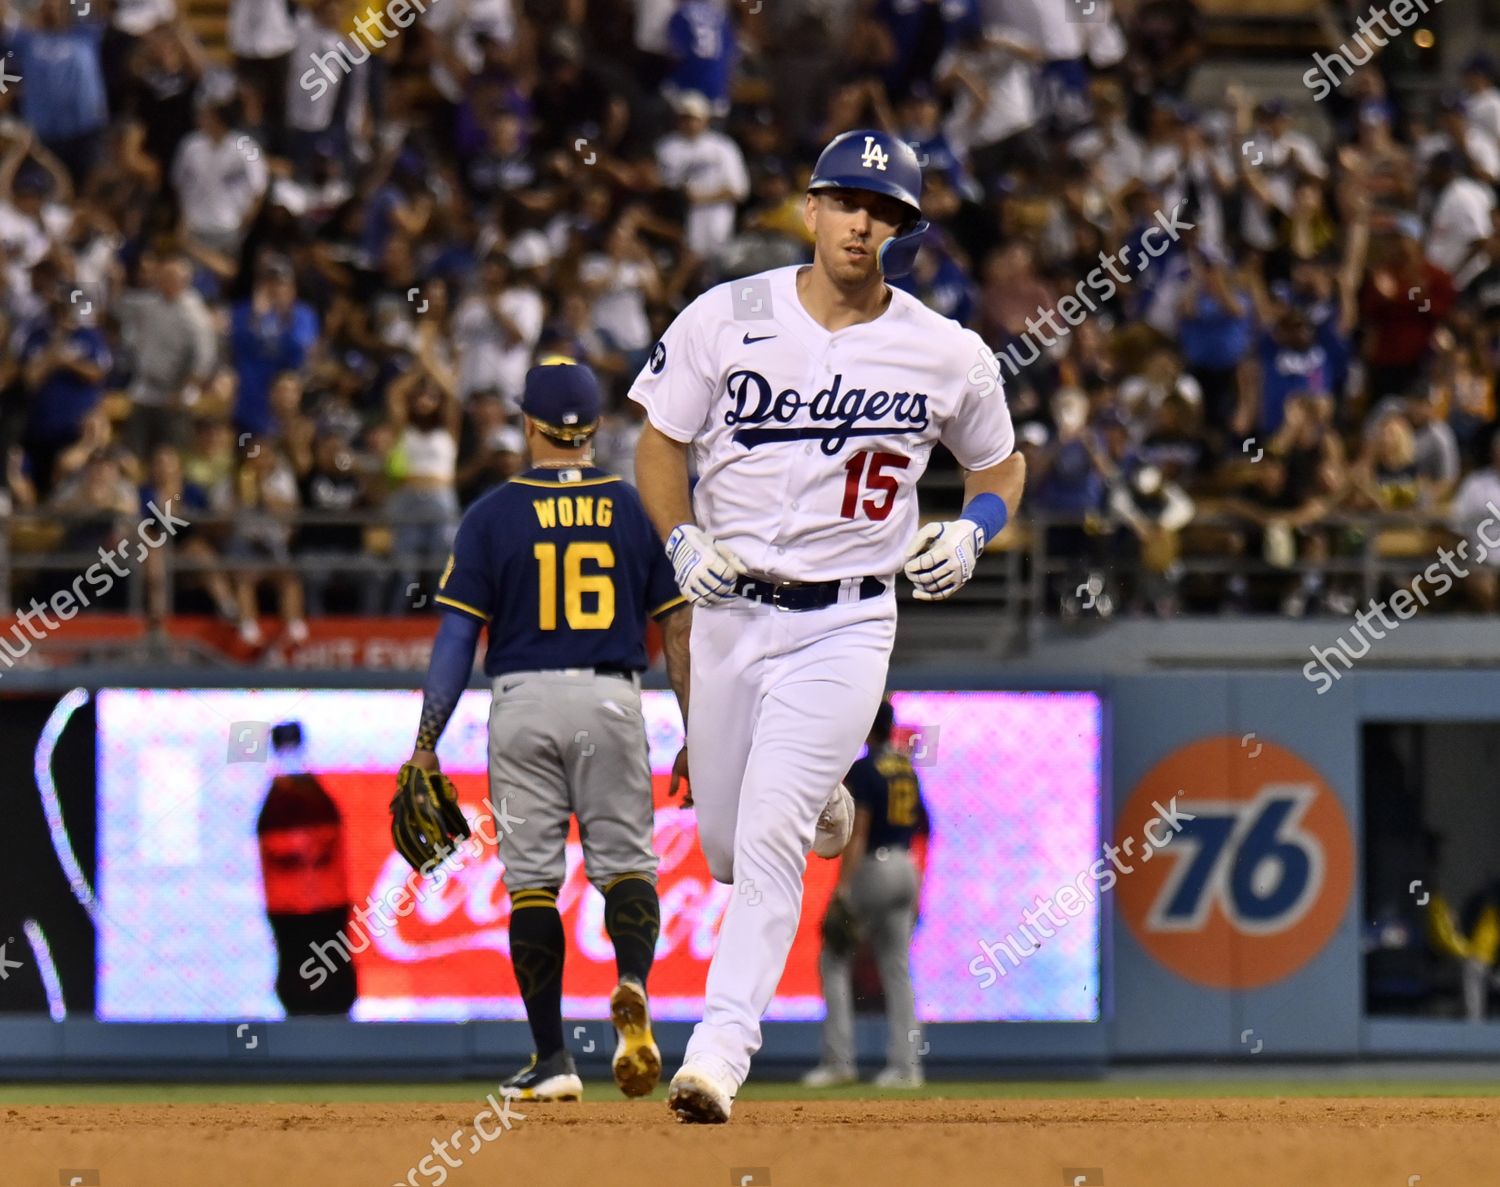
[
  {"x": 564, "y": 567},
  {"x": 809, "y": 444}
]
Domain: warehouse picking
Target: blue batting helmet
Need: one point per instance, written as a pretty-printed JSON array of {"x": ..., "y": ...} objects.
[{"x": 866, "y": 159}]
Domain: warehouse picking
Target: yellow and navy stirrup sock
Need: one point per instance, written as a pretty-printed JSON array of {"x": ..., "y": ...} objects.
[
  {"x": 632, "y": 916},
  {"x": 536, "y": 954}
]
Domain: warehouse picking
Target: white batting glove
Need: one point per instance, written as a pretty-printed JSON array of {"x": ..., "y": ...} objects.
[
  {"x": 940, "y": 558},
  {"x": 706, "y": 570}
]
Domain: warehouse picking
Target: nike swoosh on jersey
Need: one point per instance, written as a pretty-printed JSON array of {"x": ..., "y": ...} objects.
[{"x": 747, "y": 340}]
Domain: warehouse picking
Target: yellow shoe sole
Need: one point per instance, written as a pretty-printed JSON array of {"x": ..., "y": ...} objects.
[
  {"x": 637, "y": 1063},
  {"x": 558, "y": 1088}
]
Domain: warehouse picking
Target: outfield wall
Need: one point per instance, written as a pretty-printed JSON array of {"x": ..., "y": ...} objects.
[{"x": 1240, "y": 935}]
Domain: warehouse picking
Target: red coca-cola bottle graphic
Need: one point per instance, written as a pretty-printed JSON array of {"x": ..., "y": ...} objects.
[{"x": 303, "y": 868}]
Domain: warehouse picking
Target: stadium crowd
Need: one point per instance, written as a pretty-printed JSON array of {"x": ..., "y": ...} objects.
[{"x": 312, "y": 280}]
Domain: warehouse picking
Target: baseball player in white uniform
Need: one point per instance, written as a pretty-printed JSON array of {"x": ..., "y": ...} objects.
[{"x": 810, "y": 398}]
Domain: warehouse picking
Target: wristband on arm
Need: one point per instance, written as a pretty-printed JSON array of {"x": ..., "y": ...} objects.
[{"x": 990, "y": 513}]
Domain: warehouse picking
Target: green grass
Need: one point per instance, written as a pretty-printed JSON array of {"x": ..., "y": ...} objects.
[
  {"x": 199, "y": 1094},
  {"x": 1123, "y": 1090}
]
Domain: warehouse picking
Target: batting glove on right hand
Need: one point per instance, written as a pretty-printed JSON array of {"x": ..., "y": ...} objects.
[
  {"x": 706, "y": 571},
  {"x": 940, "y": 558}
]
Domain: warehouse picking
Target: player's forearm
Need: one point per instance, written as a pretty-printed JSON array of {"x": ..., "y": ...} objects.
[
  {"x": 661, "y": 476},
  {"x": 675, "y": 630},
  {"x": 447, "y": 676},
  {"x": 1006, "y": 479}
]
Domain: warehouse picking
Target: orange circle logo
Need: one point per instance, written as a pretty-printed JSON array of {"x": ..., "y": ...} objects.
[{"x": 1240, "y": 862}]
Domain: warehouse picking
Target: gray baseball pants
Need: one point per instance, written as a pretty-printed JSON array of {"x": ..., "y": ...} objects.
[{"x": 884, "y": 899}]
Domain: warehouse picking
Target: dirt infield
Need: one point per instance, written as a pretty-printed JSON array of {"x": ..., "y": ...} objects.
[{"x": 1304, "y": 1142}]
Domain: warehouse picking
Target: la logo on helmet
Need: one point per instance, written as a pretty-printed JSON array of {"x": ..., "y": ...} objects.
[{"x": 874, "y": 155}]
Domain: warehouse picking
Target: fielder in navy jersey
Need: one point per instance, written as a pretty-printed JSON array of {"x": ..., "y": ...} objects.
[{"x": 563, "y": 567}]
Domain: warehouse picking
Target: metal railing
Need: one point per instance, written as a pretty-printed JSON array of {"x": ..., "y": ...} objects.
[
  {"x": 1018, "y": 581},
  {"x": 1035, "y": 583},
  {"x": 168, "y": 562}
]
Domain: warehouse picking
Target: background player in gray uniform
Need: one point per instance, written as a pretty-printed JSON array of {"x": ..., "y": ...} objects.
[
  {"x": 876, "y": 896},
  {"x": 563, "y": 567}
]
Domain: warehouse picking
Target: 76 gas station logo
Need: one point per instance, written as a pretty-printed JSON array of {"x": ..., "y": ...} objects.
[
  {"x": 1257, "y": 878},
  {"x": 1252, "y": 860}
]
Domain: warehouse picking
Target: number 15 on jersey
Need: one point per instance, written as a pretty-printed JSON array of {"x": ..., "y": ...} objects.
[{"x": 866, "y": 471}]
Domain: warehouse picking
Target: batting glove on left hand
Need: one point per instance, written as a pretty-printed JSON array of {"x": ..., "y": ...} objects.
[
  {"x": 706, "y": 570},
  {"x": 940, "y": 558}
]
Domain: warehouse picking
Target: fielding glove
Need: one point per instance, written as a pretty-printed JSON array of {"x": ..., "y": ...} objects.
[
  {"x": 840, "y": 927},
  {"x": 426, "y": 820}
]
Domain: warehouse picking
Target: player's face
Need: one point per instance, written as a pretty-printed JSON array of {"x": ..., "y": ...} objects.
[{"x": 848, "y": 227}]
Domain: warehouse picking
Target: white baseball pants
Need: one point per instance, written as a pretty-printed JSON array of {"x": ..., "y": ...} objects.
[{"x": 782, "y": 702}]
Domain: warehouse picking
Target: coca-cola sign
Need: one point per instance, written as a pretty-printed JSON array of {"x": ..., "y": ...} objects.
[{"x": 446, "y": 939}]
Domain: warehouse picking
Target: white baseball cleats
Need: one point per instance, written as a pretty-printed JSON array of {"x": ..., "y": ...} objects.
[
  {"x": 827, "y": 1075},
  {"x": 700, "y": 1096},
  {"x": 637, "y": 1063},
  {"x": 836, "y": 824}
]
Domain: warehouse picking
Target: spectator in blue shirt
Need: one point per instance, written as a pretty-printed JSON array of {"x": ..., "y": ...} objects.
[
  {"x": 403, "y": 204},
  {"x": 939, "y": 283},
  {"x": 1159, "y": 267},
  {"x": 1293, "y": 363},
  {"x": 64, "y": 364},
  {"x": 700, "y": 37},
  {"x": 916, "y": 33},
  {"x": 270, "y": 333},
  {"x": 1069, "y": 481},
  {"x": 63, "y": 98},
  {"x": 921, "y": 116},
  {"x": 1316, "y": 288},
  {"x": 960, "y": 19},
  {"x": 1214, "y": 335}
]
